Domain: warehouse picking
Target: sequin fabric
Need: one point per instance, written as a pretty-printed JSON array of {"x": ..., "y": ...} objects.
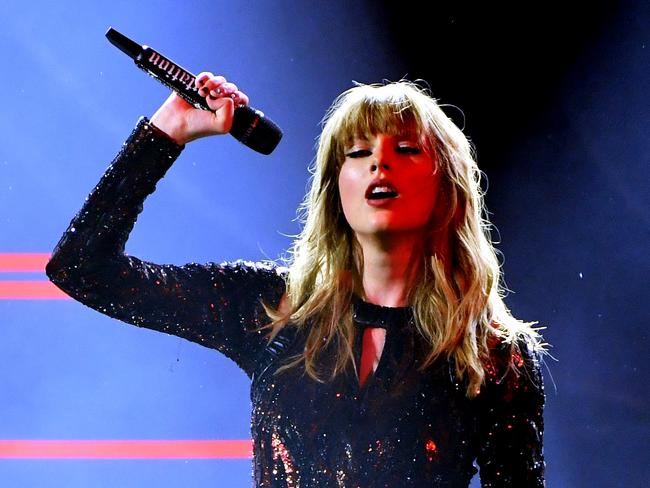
[{"x": 403, "y": 428}]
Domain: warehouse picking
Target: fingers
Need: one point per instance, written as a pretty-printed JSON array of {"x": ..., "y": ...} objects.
[{"x": 215, "y": 88}]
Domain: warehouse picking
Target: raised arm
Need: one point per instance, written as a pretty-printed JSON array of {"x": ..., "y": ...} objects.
[
  {"x": 218, "y": 306},
  {"x": 511, "y": 424}
]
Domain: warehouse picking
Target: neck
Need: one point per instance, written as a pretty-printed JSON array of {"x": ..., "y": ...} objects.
[{"x": 389, "y": 268}]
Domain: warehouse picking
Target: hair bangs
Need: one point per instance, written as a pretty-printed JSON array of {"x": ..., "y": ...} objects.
[{"x": 379, "y": 113}]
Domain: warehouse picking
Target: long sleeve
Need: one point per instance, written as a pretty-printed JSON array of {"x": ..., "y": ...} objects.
[
  {"x": 218, "y": 306},
  {"x": 511, "y": 423}
]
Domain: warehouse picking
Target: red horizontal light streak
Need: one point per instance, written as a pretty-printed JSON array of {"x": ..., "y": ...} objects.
[
  {"x": 27, "y": 289},
  {"x": 23, "y": 262},
  {"x": 30, "y": 290},
  {"x": 126, "y": 449}
]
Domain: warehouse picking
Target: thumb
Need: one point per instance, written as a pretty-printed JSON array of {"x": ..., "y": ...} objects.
[{"x": 224, "y": 112}]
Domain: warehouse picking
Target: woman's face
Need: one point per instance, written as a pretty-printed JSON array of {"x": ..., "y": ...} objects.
[{"x": 388, "y": 184}]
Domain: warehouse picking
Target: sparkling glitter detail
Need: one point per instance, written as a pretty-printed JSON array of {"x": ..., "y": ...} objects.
[
  {"x": 281, "y": 453},
  {"x": 403, "y": 428},
  {"x": 432, "y": 449}
]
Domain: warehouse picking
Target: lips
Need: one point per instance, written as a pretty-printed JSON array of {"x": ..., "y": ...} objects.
[{"x": 381, "y": 190}]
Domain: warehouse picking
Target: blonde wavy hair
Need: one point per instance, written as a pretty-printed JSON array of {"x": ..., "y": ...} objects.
[{"x": 458, "y": 294}]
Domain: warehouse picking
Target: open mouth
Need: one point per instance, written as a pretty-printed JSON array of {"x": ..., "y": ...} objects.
[{"x": 381, "y": 191}]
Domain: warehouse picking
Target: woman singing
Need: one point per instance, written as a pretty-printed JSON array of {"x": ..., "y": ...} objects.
[{"x": 383, "y": 356}]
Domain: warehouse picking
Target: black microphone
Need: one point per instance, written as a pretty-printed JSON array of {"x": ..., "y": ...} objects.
[{"x": 249, "y": 125}]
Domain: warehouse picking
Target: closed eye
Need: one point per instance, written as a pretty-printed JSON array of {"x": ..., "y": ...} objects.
[
  {"x": 408, "y": 150},
  {"x": 360, "y": 153}
]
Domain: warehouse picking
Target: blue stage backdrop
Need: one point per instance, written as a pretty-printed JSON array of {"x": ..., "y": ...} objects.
[{"x": 568, "y": 192}]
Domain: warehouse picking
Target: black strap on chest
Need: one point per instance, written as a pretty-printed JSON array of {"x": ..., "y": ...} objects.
[{"x": 370, "y": 315}]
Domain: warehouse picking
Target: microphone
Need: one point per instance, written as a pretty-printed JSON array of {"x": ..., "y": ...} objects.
[{"x": 250, "y": 126}]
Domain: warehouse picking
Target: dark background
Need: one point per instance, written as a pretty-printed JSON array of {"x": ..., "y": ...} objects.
[{"x": 555, "y": 98}]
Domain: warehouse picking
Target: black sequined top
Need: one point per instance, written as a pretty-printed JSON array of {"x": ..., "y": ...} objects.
[{"x": 403, "y": 428}]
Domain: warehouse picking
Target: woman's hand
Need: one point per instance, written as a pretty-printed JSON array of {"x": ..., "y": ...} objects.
[{"x": 184, "y": 123}]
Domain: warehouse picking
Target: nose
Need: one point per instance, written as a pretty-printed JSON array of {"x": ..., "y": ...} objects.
[
  {"x": 376, "y": 165},
  {"x": 379, "y": 161}
]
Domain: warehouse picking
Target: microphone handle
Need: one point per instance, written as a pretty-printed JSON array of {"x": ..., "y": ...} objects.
[
  {"x": 171, "y": 75},
  {"x": 250, "y": 126}
]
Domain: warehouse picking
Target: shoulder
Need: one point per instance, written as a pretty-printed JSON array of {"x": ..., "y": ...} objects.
[{"x": 516, "y": 361}]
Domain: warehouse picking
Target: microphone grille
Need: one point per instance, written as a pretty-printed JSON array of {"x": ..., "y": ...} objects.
[{"x": 252, "y": 128}]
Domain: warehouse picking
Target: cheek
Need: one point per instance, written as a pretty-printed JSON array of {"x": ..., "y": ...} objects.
[
  {"x": 348, "y": 186},
  {"x": 427, "y": 188}
]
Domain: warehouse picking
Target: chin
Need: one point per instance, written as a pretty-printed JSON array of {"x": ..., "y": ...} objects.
[{"x": 378, "y": 226}]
